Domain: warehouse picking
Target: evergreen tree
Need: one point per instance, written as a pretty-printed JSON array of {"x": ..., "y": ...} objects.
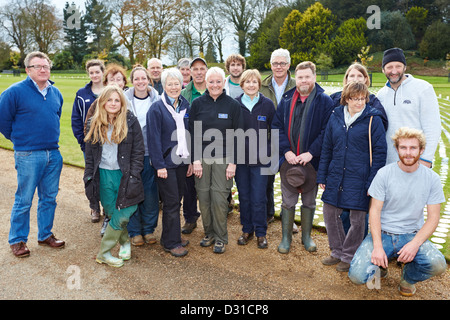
[{"x": 99, "y": 27}]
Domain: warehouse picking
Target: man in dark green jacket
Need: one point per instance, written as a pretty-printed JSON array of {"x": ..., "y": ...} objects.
[{"x": 280, "y": 80}]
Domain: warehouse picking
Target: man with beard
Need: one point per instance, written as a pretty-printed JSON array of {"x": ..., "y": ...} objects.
[
  {"x": 399, "y": 192},
  {"x": 408, "y": 102},
  {"x": 301, "y": 119}
]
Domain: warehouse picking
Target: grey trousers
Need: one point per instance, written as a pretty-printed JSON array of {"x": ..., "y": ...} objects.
[
  {"x": 343, "y": 246},
  {"x": 213, "y": 189}
]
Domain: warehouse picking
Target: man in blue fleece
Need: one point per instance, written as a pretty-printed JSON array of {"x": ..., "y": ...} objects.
[{"x": 31, "y": 111}]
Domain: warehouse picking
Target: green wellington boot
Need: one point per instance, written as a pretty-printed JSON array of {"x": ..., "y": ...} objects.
[
  {"x": 287, "y": 223},
  {"x": 125, "y": 246},
  {"x": 307, "y": 217},
  {"x": 109, "y": 241}
]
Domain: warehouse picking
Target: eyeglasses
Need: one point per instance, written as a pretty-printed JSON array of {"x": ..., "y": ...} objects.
[
  {"x": 39, "y": 67},
  {"x": 279, "y": 64},
  {"x": 358, "y": 99}
]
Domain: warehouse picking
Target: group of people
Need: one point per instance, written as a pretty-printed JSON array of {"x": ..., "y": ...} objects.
[{"x": 185, "y": 133}]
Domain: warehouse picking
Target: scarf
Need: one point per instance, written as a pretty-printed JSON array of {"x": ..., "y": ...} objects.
[{"x": 182, "y": 149}]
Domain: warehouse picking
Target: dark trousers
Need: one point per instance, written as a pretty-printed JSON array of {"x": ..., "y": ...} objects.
[
  {"x": 269, "y": 195},
  {"x": 171, "y": 190},
  {"x": 190, "y": 211},
  {"x": 251, "y": 185}
]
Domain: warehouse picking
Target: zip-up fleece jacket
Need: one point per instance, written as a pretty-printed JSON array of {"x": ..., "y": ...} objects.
[
  {"x": 260, "y": 118},
  {"x": 220, "y": 114},
  {"x": 414, "y": 104}
]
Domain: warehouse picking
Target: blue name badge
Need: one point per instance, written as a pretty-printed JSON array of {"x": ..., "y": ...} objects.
[
  {"x": 223, "y": 116},
  {"x": 262, "y": 118},
  {"x": 186, "y": 115}
]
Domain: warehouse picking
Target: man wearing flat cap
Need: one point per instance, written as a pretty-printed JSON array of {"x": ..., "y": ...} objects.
[
  {"x": 408, "y": 102},
  {"x": 301, "y": 118}
]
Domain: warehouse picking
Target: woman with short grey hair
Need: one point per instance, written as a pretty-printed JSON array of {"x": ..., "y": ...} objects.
[
  {"x": 214, "y": 170},
  {"x": 166, "y": 118}
]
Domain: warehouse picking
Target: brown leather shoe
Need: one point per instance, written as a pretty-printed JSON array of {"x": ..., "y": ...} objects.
[
  {"x": 262, "y": 243},
  {"x": 52, "y": 242},
  {"x": 95, "y": 216},
  {"x": 20, "y": 249},
  {"x": 245, "y": 238}
]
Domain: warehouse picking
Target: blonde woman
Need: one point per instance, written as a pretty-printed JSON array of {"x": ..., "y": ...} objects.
[{"x": 114, "y": 161}]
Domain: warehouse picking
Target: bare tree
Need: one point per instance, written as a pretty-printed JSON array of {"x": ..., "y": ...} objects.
[
  {"x": 14, "y": 21},
  {"x": 46, "y": 28},
  {"x": 184, "y": 35},
  {"x": 200, "y": 23},
  {"x": 159, "y": 17},
  {"x": 127, "y": 20},
  {"x": 217, "y": 28},
  {"x": 241, "y": 14}
]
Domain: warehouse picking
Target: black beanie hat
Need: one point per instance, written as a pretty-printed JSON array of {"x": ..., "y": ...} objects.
[{"x": 393, "y": 54}]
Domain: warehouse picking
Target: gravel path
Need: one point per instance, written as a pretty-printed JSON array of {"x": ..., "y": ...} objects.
[{"x": 241, "y": 273}]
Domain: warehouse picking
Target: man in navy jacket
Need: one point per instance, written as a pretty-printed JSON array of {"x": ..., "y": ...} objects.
[{"x": 301, "y": 119}]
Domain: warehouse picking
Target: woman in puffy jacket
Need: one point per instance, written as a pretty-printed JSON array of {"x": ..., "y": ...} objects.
[
  {"x": 347, "y": 167},
  {"x": 114, "y": 161}
]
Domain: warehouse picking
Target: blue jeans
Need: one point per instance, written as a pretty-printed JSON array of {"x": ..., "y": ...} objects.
[
  {"x": 252, "y": 186},
  {"x": 145, "y": 219},
  {"x": 428, "y": 262},
  {"x": 35, "y": 169}
]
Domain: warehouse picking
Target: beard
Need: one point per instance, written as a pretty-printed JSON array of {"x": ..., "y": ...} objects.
[
  {"x": 306, "y": 90},
  {"x": 394, "y": 81},
  {"x": 409, "y": 161}
]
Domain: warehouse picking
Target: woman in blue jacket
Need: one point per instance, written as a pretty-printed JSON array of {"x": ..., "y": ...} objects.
[
  {"x": 357, "y": 72},
  {"x": 257, "y": 112},
  {"x": 167, "y": 118},
  {"x": 346, "y": 169}
]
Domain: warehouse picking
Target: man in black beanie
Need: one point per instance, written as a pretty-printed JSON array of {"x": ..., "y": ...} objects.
[{"x": 408, "y": 102}]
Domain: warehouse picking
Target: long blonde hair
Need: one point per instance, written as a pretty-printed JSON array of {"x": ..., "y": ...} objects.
[{"x": 99, "y": 121}]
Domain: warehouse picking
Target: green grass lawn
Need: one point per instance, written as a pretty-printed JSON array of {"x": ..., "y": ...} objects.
[{"x": 68, "y": 84}]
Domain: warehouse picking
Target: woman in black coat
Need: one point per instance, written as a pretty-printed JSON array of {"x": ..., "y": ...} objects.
[{"x": 114, "y": 161}]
